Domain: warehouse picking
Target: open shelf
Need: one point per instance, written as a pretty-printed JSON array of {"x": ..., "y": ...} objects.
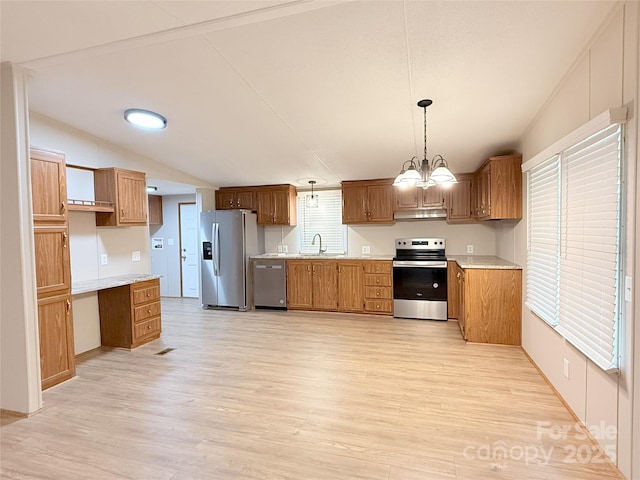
[{"x": 89, "y": 206}]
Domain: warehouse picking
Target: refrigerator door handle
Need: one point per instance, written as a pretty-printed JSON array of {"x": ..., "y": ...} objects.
[{"x": 215, "y": 242}]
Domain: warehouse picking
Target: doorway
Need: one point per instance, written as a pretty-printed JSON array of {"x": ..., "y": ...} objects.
[{"x": 188, "y": 225}]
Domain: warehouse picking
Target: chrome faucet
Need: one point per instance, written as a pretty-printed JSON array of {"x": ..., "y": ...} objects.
[{"x": 313, "y": 242}]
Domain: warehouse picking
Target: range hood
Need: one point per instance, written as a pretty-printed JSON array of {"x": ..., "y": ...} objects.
[{"x": 421, "y": 214}]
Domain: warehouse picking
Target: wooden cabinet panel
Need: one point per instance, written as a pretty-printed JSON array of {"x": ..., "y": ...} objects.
[
  {"x": 48, "y": 186},
  {"x": 53, "y": 272},
  {"x": 130, "y": 315},
  {"x": 459, "y": 202},
  {"x": 497, "y": 189},
  {"x": 378, "y": 287},
  {"x": 155, "y": 210},
  {"x": 126, "y": 189},
  {"x": 491, "y": 305},
  {"x": 407, "y": 198},
  {"x": 350, "y": 286},
  {"x": 146, "y": 311},
  {"x": 277, "y": 205},
  {"x": 367, "y": 201},
  {"x": 236, "y": 197},
  {"x": 433, "y": 197},
  {"x": 453, "y": 291},
  {"x": 299, "y": 285},
  {"x": 55, "y": 323},
  {"x": 325, "y": 285}
]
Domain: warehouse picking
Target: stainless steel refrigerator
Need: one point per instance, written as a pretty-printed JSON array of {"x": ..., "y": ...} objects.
[{"x": 227, "y": 239}]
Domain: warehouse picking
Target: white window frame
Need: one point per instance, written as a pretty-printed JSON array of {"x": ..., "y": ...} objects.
[
  {"x": 588, "y": 309},
  {"x": 325, "y": 219}
]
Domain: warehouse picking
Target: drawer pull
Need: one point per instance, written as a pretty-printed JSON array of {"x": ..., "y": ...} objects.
[
  {"x": 148, "y": 327},
  {"x": 377, "y": 294},
  {"x": 148, "y": 294},
  {"x": 148, "y": 310}
]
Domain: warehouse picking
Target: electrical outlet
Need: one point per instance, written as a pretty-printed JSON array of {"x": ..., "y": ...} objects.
[
  {"x": 279, "y": 248},
  {"x": 469, "y": 248},
  {"x": 366, "y": 249},
  {"x": 285, "y": 248},
  {"x": 135, "y": 256},
  {"x": 169, "y": 241},
  {"x": 628, "y": 287},
  {"x": 566, "y": 368},
  {"x": 104, "y": 260}
]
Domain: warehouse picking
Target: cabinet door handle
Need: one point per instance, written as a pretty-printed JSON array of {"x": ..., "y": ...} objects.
[
  {"x": 63, "y": 207},
  {"x": 148, "y": 310},
  {"x": 68, "y": 307},
  {"x": 377, "y": 294},
  {"x": 458, "y": 275},
  {"x": 231, "y": 202},
  {"x": 122, "y": 213},
  {"x": 65, "y": 239}
]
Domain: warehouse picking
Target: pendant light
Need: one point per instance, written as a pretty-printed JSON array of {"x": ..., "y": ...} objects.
[
  {"x": 311, "y": 201},
  {"x": 424, "y": 174}
]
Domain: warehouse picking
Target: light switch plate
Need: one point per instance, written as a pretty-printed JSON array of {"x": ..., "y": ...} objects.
[
  {"x": 104, "y": 260},
  {"x": 169, "y": 241},
  {"x": 566, "y": 368},
  {"x": 366, "y": 249},
  {"x": 135, "y": 256},
  {"x": 285, "y": 248}
]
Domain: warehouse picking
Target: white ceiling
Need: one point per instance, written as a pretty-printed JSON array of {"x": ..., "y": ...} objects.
[{"x": 261, "y": 92}]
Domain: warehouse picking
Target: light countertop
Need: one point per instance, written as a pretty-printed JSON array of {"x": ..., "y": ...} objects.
[
  {"x": 483, "y": 261},
  {"x": 94, "y": 285},
  {"x": 307, "y": 256}
]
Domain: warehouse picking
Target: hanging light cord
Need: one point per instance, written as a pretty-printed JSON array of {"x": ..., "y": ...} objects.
[{"x": 425, "y": 132}]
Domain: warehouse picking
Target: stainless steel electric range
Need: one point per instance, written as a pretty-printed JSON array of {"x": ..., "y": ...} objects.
[{"x": 420, "y": 279}]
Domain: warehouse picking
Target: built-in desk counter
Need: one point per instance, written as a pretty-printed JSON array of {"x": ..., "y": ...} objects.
[
  {"x": 94, "y": 285},
  {"x": 129, "y": 308}
]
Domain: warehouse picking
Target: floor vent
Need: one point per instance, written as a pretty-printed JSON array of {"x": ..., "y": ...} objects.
[{"x": 165, "y": 351}]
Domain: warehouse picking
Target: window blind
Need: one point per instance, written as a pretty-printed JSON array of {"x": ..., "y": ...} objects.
[
  {"x": 544, "y": 240},
  {"x": 590, "y": 245},
  {"x": 325, "y": 219},
  {"x": 573, "y": 256}
]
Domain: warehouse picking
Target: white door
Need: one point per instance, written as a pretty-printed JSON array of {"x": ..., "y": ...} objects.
[{"x": 189, "y": 249}]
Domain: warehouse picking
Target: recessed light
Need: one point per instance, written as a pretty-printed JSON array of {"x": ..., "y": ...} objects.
[
  {"x": 151, "y": 189},
  {"x": 145, "y": 119}
]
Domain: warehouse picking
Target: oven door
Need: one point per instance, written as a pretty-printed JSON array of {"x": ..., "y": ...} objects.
[{"x": 420, "y": 289}]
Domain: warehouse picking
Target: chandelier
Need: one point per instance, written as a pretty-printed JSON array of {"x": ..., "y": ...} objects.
[{"x": 424, "y": 174}]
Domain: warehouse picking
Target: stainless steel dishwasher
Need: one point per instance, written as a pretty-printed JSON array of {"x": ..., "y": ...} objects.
[{"x": 270, "y": 283}]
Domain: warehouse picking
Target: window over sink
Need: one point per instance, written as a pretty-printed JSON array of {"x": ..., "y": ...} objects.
[{"x": 324, "y": 219}]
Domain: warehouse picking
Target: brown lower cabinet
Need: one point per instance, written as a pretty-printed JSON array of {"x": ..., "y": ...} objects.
[
  {"x": 130, "y": 314},
  {"x": 340, "y": 285},
  {"x": 487, "y": 303},
  {"x": 57, "y": 360}
]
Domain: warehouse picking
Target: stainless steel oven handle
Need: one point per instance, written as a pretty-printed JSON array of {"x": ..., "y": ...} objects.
[{"x": 417, "y": 264}]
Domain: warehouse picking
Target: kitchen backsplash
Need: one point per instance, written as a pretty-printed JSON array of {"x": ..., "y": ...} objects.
[{"x": 380, "y": 238}]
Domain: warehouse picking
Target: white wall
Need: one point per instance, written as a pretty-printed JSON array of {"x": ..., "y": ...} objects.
[
  {"x": 19, "y": 352},
  {"x": 166, "y": 262},
  {"x": 605, "y": 76},
  {"x": 381, "y": 238}
]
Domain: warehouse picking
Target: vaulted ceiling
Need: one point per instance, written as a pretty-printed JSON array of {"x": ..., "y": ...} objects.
[{"x": 261, "y": 92}]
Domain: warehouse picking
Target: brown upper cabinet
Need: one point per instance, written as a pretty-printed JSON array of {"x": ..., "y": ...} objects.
[
  {"x": 126, "y": 189},
  {"x": 497, "y": 189},
  {"x": 367, "y": 201},
  {"x": 236, "y": 197},
  {"x": 416, "y": 197},
  {"x": 48, "y": 186},
  {"x": 276, "y": 205},
  {"x": 459, "y": 200},
  {"x": 155, "y": 210}
]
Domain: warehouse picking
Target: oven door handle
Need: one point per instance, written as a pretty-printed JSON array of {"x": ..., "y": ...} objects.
[{"x": 418, "y": 264}]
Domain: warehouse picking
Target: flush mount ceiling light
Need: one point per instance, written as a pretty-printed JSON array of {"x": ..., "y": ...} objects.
[
  {"x": 424, "y": 174},
  {"x": 311, "y": 201},
  {"x": 151, "y": 189},
  {"x": 145, "y": 119}
]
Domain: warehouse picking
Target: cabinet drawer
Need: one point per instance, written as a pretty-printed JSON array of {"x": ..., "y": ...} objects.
[
  {"x": 146, "y": 311},
  {"x": 375, "y": 293},
  {"x": 146, "y": 328},
  {"x": 380, "y": 306},
  {"x": 146, "y": 294},
  {"x": 377, "y": 267},
  {"x": 377, "y": 280}
]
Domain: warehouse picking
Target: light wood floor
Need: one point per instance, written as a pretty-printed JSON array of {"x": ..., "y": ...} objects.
[{"x": 282, "y": 395}]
